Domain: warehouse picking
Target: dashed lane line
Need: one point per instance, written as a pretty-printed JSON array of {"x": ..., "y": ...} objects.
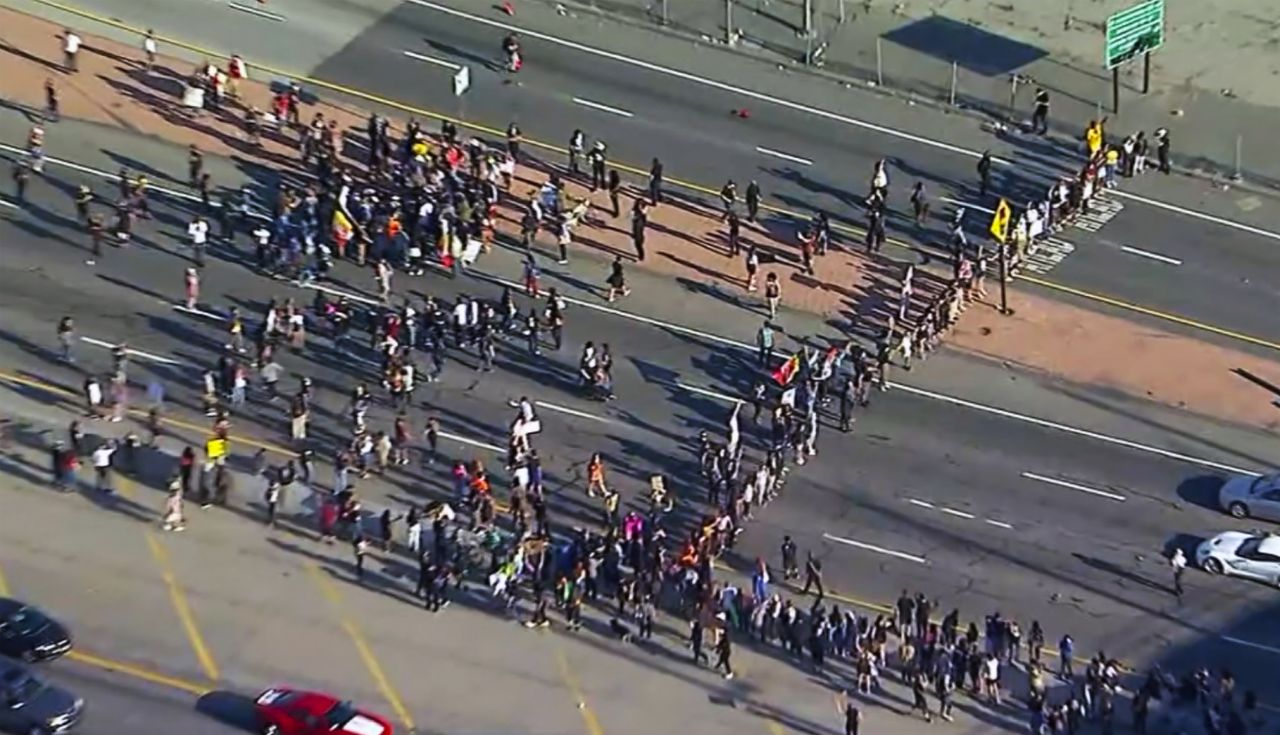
[
  {"x": 1075, "y": 486},
  {"x": 876, "y": 549},
  {"x": 1150, "y": 255},
  {"x": 856, "y": 231},
  {"x": 602, "y": 107},
  {"x": 807, "y": 109},
  {"x": 784, "y": 156}
]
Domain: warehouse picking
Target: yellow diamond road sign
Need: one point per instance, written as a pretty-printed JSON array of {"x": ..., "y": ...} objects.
[{"x": 1000, "y": 221}]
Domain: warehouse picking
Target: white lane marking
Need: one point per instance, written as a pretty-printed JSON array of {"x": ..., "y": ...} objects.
[
  {"x": 1127, "y": 443},
  {"x": 130, "y": 351},
  {"x": 1199, "y": 215},
  {"x": 602, "y": 107},
  {"x": 1148, "y": 254},
  {"x": 876, "y": 549},
  {"x": 998, "y": 524},
  {"x": 256, "y": 11},
  {"x": 817, "y": 112},
  {"x": 784, "y": 156},
  {"x": 686, "y": 76},
  {"x": 958, "y": 513},
  {"x": 473, "y": 442},
  {"x": 572, "y": 412},
  {"x": 1004, "y": 413},
  {"x": 337, "y": 292},
  {"x": 967, "y": 205},
  {"x": 432, "y": 60},
  {"x": 1251, "y": 644},
  {"x": 707, "y": 392},
  {"x": 199, "y": 312},
  {"x": 1074, "y": 486},
  {"x": 11, "y": 205},
  {"x": 921, "y": 503}
]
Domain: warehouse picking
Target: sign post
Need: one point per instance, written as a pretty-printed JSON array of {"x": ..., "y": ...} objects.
[
  {"x": 1000, "y": 232},
  {"x": 1135, "y": 31}
]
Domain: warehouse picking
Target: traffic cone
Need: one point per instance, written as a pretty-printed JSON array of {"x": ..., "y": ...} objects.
[{"x": 508, "y": 8}]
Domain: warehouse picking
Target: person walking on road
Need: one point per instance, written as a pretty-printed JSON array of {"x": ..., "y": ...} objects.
[
  {"x": 70, "y": 50},
  {"x": 753, "y": 201},
  {"x": 191, "y": 285},
  {"x": 617, "y": 280},
  {"x": 639, "y": 223},
  {"x": 772, "y": 294},
  {"x": 599, "y": 161},
  {"x": 724, "y": 649},
  {"x": 149, "y": 49},
  {"x": 764, "y": 344},
  {"x": 1178, "y": 562},
  {"x": 577, "y": 146},
  {"x": 1040, "y": 114},
  {"x": 21, "y": 176},
  {"x": 198, "y": 231},
  {"x": 174, "y": 519},
  {"x": 984, "y": 173},
  {"x": 66, "y": 338},
  {"x": 102, "y": 467},
  {"x": 655, "y": 182}
]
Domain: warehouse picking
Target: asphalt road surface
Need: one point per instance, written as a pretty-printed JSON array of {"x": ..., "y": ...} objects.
[
  {"x": 1188, "y": 261},
  {"x": 925, "y": 495}
]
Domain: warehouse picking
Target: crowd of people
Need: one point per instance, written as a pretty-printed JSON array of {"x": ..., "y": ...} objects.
[{"x": 425, "y": 200}]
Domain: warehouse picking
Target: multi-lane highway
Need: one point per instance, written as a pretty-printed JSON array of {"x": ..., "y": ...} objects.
[
  {"x": 1037, "y": 512},
  {"x": 988, "y": 512},
  {"x": 1180, "y": 248}
]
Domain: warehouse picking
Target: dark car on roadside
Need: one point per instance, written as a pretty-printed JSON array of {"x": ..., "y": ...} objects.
[
  {"x": 29, "y": 634},
  {"x": 29, "y": 705}
]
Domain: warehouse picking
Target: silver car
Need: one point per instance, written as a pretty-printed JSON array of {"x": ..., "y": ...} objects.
[
  {"x": 1251, "y": 497},
  {"x": 1239, "y": 554}
]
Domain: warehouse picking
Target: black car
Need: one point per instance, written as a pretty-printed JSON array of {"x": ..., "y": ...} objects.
[
  {"x": 29, "y": 634},
  {"x": 30, "y": 705}
]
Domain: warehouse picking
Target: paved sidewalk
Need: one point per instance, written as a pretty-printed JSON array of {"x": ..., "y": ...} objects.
[{"x": 686, "y": 241}]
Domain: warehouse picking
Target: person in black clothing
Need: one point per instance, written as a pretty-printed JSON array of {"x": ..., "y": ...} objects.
[
  {"x": 655, "y": 182},
  {"x": 598, "y": 162},
  {"x": 735, "y": 233},
  {"x": 753, "y": 201},
  {"x": 724, "y": 649},
  {"x": 615, "y": 190},
  {"x": 639, "y": 221},
  {"x": 813, "y": 576},
  {"x": 984, "y": 173},
  {"x": 1040, "y": 116}
]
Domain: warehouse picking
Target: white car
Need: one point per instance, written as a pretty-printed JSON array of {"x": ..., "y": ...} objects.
[{"x": 1238, "y": 554}]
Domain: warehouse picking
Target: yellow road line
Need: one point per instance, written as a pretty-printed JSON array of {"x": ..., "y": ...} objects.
[
  {"x": 851, "y": 229},
  {"x": 571, "y": 682},
  {"x": 5, "y": 590},
  {"x": 179, "y": 423},
  {"x": 775, "y": 728},
  {"x": 1148, "y": 311},
  {"x": 139, "y": 672},
  {"x": 183, "y": 609},
  {"x": 389, "y": 693}
]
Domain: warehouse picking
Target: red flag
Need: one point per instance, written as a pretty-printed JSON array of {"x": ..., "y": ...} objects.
[{"x": 787, "y": 371}]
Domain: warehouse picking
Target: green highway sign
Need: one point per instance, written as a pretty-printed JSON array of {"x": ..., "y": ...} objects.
[{"x": 1134, "y": 31}]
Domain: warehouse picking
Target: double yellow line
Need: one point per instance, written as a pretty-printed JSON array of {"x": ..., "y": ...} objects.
[{"x": 848, "y": 229}]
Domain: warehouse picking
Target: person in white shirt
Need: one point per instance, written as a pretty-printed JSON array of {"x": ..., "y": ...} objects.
[
  {"x": 198, "y": 231},
  {"x": 102, "y": 466},
  {"x": 70, "y": 49},
  {"x": 149, "y": 48}
]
